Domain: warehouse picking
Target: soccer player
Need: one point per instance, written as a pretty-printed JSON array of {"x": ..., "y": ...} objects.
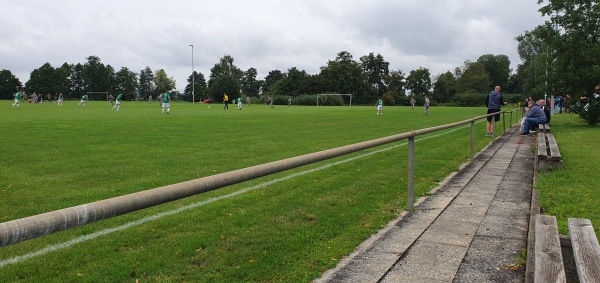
[
  {"x": 379, "y": 106},
  {"x": 118, "y": 102},
  {"x": 426, "y": 105},
  {"x": 60, "y": 99},
  {"x": 239, "y": 100},
  {"x": 83, "y": 100},
  {"x": 166, "y": 102},
  {"x": 226, "y": 101},
  {"x": 110, "y": 99},
  {"x": 17, "y": 98}
]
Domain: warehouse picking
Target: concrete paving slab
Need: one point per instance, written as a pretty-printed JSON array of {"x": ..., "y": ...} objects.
[
  {"x": 436, "y": 202},
  {"x": 484, "y": 182},
  {"x": 498, "y": 226},
  {"x": 392, "y": 278},
  {"x": 366, "y": 268},
  {"x": 509, "y": 210},
  {"x": 476, "y": 198},
  {"x": 487, "y": 261},
  {"x": 429, "y": 261},
  {"x": 456, "y": 232}
]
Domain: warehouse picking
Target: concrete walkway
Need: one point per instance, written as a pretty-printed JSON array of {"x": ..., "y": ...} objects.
[{"x": 470, "y": 229}]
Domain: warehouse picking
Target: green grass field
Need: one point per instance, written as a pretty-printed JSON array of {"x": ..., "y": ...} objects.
[{"x": 281, "y": 229}]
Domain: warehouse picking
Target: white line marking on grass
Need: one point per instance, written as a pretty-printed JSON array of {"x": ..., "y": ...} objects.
[{"x": 92, "y": 236}]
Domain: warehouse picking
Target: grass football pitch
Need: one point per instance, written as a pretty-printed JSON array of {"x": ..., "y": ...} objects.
[{"x": 286, "y": 227}]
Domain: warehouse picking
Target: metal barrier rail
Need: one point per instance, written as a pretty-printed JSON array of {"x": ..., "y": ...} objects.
[{"x": 18, "y": 230}]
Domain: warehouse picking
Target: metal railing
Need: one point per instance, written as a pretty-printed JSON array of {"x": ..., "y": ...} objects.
[{"x": 18, "y": 230}]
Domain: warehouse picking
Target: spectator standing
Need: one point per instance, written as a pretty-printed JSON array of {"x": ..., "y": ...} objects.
[{"x": 493, "y": 102}]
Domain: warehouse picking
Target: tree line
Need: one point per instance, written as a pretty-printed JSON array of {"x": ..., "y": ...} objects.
[{"x": 366, "y": 78}]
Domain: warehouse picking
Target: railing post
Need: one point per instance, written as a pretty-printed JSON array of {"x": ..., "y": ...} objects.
[
  {"x": 503, "y": 122},
  {"x": 472, "y": 140},
  {"x": 511, "y": 123},
  {"x": 411, "y": 172}
]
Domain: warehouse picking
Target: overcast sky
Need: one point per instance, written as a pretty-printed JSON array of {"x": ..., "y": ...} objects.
[{"x": 265, "y": 34}]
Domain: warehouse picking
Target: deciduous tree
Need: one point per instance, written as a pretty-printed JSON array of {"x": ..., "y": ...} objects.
[
  {"x": 9, "y": 84},
  {"x": 419, "y": 82},
  {"x": 146, "y": 83},
  {"x": 444, "y": 88},
  {"x": 162, "y": 82},
  {"x": 127, "y": 82}
]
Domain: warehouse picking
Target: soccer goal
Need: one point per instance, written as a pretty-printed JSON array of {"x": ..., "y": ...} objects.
[
  {"x": 97, "y": 95},
  {"x": 330, "y": 94}
]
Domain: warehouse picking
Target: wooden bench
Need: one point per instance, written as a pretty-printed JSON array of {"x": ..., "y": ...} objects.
[
  {"x": 548, "y": 156},
  {"x": 549, "y": 263}
]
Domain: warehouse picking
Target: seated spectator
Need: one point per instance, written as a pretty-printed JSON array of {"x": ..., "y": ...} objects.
[
  {"x": 547, "y": 111},
  {"x": 534, "y": 117}
]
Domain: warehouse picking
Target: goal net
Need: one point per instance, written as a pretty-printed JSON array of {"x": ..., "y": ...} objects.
[
  {"x": 97, "y": 95},
  {"x": 324, "y": 96}
]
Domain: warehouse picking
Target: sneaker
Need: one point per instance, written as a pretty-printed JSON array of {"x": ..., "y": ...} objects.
[{"x": 524, "y": 134}]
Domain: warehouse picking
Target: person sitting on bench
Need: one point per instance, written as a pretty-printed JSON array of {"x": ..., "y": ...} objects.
[{"x": 534, "y": 117}]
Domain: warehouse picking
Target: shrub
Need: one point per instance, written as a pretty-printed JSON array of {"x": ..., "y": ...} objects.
[
  {"x": 591, "y": 111},
  {"x": 469, "y": 99},
  {"x": 388, "y": 99},
  {"x": 514, "y": 98},
  {"x": 331, "y": 100},
  {"x": 307, "y": 99}
]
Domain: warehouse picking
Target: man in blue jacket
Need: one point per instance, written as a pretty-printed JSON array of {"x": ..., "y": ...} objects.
[
  {"x": 493, "y": 101},
  {"x": 534, "y": 117}
]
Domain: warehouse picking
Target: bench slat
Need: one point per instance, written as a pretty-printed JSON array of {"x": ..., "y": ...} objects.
[
  {"x": 585, "y": 249},
  {"x": 544, "y": 128},
  {"x": 548, "y": 257},
  {"x": 553, "y": 147},
  {"x": 542, "y": 152}
]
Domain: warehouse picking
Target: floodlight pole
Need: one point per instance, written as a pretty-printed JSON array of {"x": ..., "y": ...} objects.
[{"x": 193, "y": 77}]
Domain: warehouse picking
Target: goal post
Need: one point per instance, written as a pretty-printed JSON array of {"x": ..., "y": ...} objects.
[
  {"x": 93, "y": 95},
  {"x": 330, "y": 94}
]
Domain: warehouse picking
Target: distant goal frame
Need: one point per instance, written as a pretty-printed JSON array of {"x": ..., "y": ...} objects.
[
  {"x": 90, "y": 93},
  {"x": 329, "y": 94}
]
